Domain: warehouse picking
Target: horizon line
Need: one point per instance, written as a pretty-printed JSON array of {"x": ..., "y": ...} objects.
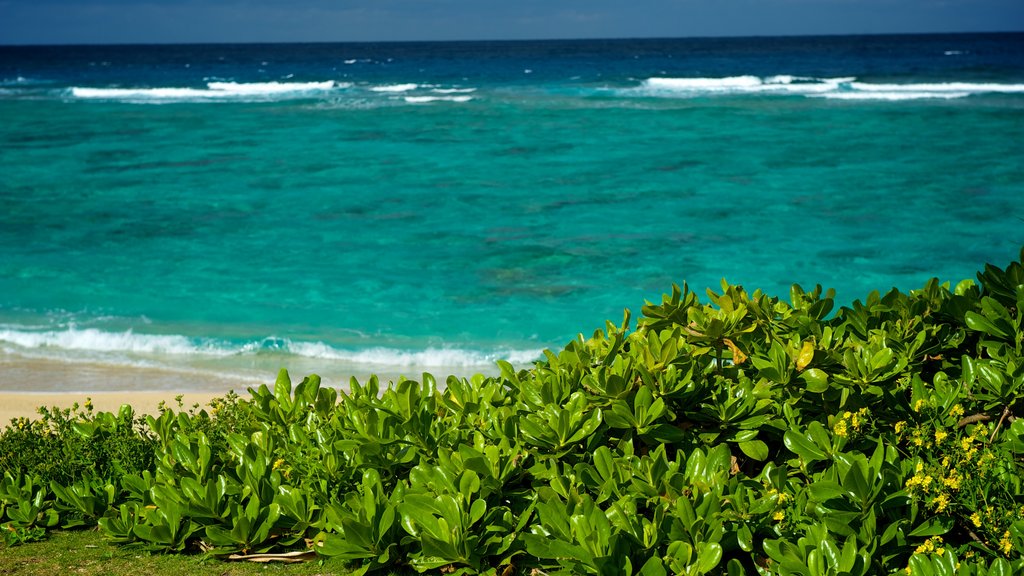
[{"x": 507, "y": 40}]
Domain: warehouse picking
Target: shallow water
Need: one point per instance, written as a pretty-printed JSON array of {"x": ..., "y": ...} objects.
[{"x": 403, "y": 207}]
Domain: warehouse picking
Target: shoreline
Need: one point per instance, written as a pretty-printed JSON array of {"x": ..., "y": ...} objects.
[{"x": 28, "y": 383}]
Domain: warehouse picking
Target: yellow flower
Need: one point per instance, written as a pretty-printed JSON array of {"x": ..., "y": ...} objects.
[
  {"x": 940, "y": 435},
  {"x": 956, "y": 411},
  {"x": 1004, "y": 544},
  {"x": 856, "y": 418},
  {"x": 976, "y": 520},
  {"x": 278, "y": 463},
  {"x": 952, "y": 481},
  {"x": 919, "y": 404},
  {"x": 900, "y": 426},
  {"x": 929, "y": 545},
  {"x": 779, "y": 516},
  {"x": 941, "y": 502},
  {"x": 840, "y": 428},
  {"x": 919, "y": 467}
]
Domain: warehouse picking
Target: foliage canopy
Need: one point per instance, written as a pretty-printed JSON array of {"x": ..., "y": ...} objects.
[{"x": 746, "y": 434}]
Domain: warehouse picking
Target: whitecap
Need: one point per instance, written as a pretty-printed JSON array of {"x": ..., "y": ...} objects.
[
  {"x": 428, "y": 99},
  {"x": 703, "y": 84},
  {"x": 844, "y": 88},
  {"x": 395, "y": 88},
  {"x": 893, "y": 96},
  {"x": 93, "y": 340},
  {"x": 269, "y": 87},
  {"x": 215, "y": 90},
  {"x": 939, "y": 88},
  {"x": 429, "y": 357},
  {"x": 129, "y": 347}
]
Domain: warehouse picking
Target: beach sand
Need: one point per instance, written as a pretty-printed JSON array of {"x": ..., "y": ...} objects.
[
  {"x": 18, "y": 404},
  {"x": 26, "y": 384}
]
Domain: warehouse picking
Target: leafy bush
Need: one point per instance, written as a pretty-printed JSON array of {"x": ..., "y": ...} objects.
[{"x": 743, "y": 435}]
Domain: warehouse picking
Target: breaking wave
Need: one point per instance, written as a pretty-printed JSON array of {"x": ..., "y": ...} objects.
[
  {"x": 130, "y": 346},
  {"x": 846, "y": 88},
  {"x": 212, "y": 91}
]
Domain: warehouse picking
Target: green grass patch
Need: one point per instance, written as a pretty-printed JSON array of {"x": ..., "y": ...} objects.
[{"x": 86, "y": 553}]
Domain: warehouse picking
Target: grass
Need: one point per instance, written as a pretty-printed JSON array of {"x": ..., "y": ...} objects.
[{"x": 85, "y": 553}]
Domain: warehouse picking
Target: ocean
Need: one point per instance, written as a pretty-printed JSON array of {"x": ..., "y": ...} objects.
[{"x": 212, "y": 213}]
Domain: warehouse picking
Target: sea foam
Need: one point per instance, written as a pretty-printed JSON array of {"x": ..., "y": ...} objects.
[
  {"x": 395, "y": 87},
  {"x": 90, "y": 343},
  {"x": 847, "y": 88},
  {"x": 741, "y": 85},
  {"x": 428, "y": 99},
  {"x": 93, "y": 340},
  {"x": 429, "y": 357},
  {"x": 213, "y": 91},
  {"x": 270, "y": 87}
]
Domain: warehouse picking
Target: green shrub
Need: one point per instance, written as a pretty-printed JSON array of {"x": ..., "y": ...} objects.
[
  {"x": 743, "y": 435},
  {"x": 65, "y": 445}
]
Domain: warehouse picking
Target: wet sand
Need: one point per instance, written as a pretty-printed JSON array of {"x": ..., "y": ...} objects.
[{"x": 26, "y": 384}]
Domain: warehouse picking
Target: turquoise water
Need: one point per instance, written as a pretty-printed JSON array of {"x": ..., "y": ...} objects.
[{"x": 438, "y": 212}]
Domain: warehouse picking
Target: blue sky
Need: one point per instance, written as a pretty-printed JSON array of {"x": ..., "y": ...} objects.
[{"x": 164, "y": 21}]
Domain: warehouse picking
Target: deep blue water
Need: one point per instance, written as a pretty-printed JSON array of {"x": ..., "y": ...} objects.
[{"x": 351, "y": 208}]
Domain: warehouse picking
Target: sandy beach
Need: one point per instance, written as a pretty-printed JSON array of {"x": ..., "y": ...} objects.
[
  {"x": 18, "y": 404},
  {"x": 26, "y": 384}
]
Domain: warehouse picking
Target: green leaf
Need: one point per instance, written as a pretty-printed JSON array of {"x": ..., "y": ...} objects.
[
  {"x": 830, "y": 552},
  {"x": 544, "y": 546},
  {"x": 1000, "y": 567},
  {"x": 979, "y": 323},
  {"x": 920, "y": 565},
  {"x": 934, "y": 526},
  {"x": 815, "y": 379},
  {"x": 799, "y": 444},
  {"x": 708, "y": 556},
  {"x": 745, "y": 538},
  {"x": 824, "y": 490},
  {"x": 755, "y": 449},
  {"x": 653, "y": 567},
  {"x": 469, "y": 484},
  {"x": 856, "y": 483},
  {"x": 605, "y": 463}
]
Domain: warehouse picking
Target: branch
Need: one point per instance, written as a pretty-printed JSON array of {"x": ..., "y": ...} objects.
[
  {"x": 972, "y": 419},
  {"x": 1006, "y": 412}
]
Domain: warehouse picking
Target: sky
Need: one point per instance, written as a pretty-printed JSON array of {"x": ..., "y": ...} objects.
[{"x": 189, "y": 21}]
